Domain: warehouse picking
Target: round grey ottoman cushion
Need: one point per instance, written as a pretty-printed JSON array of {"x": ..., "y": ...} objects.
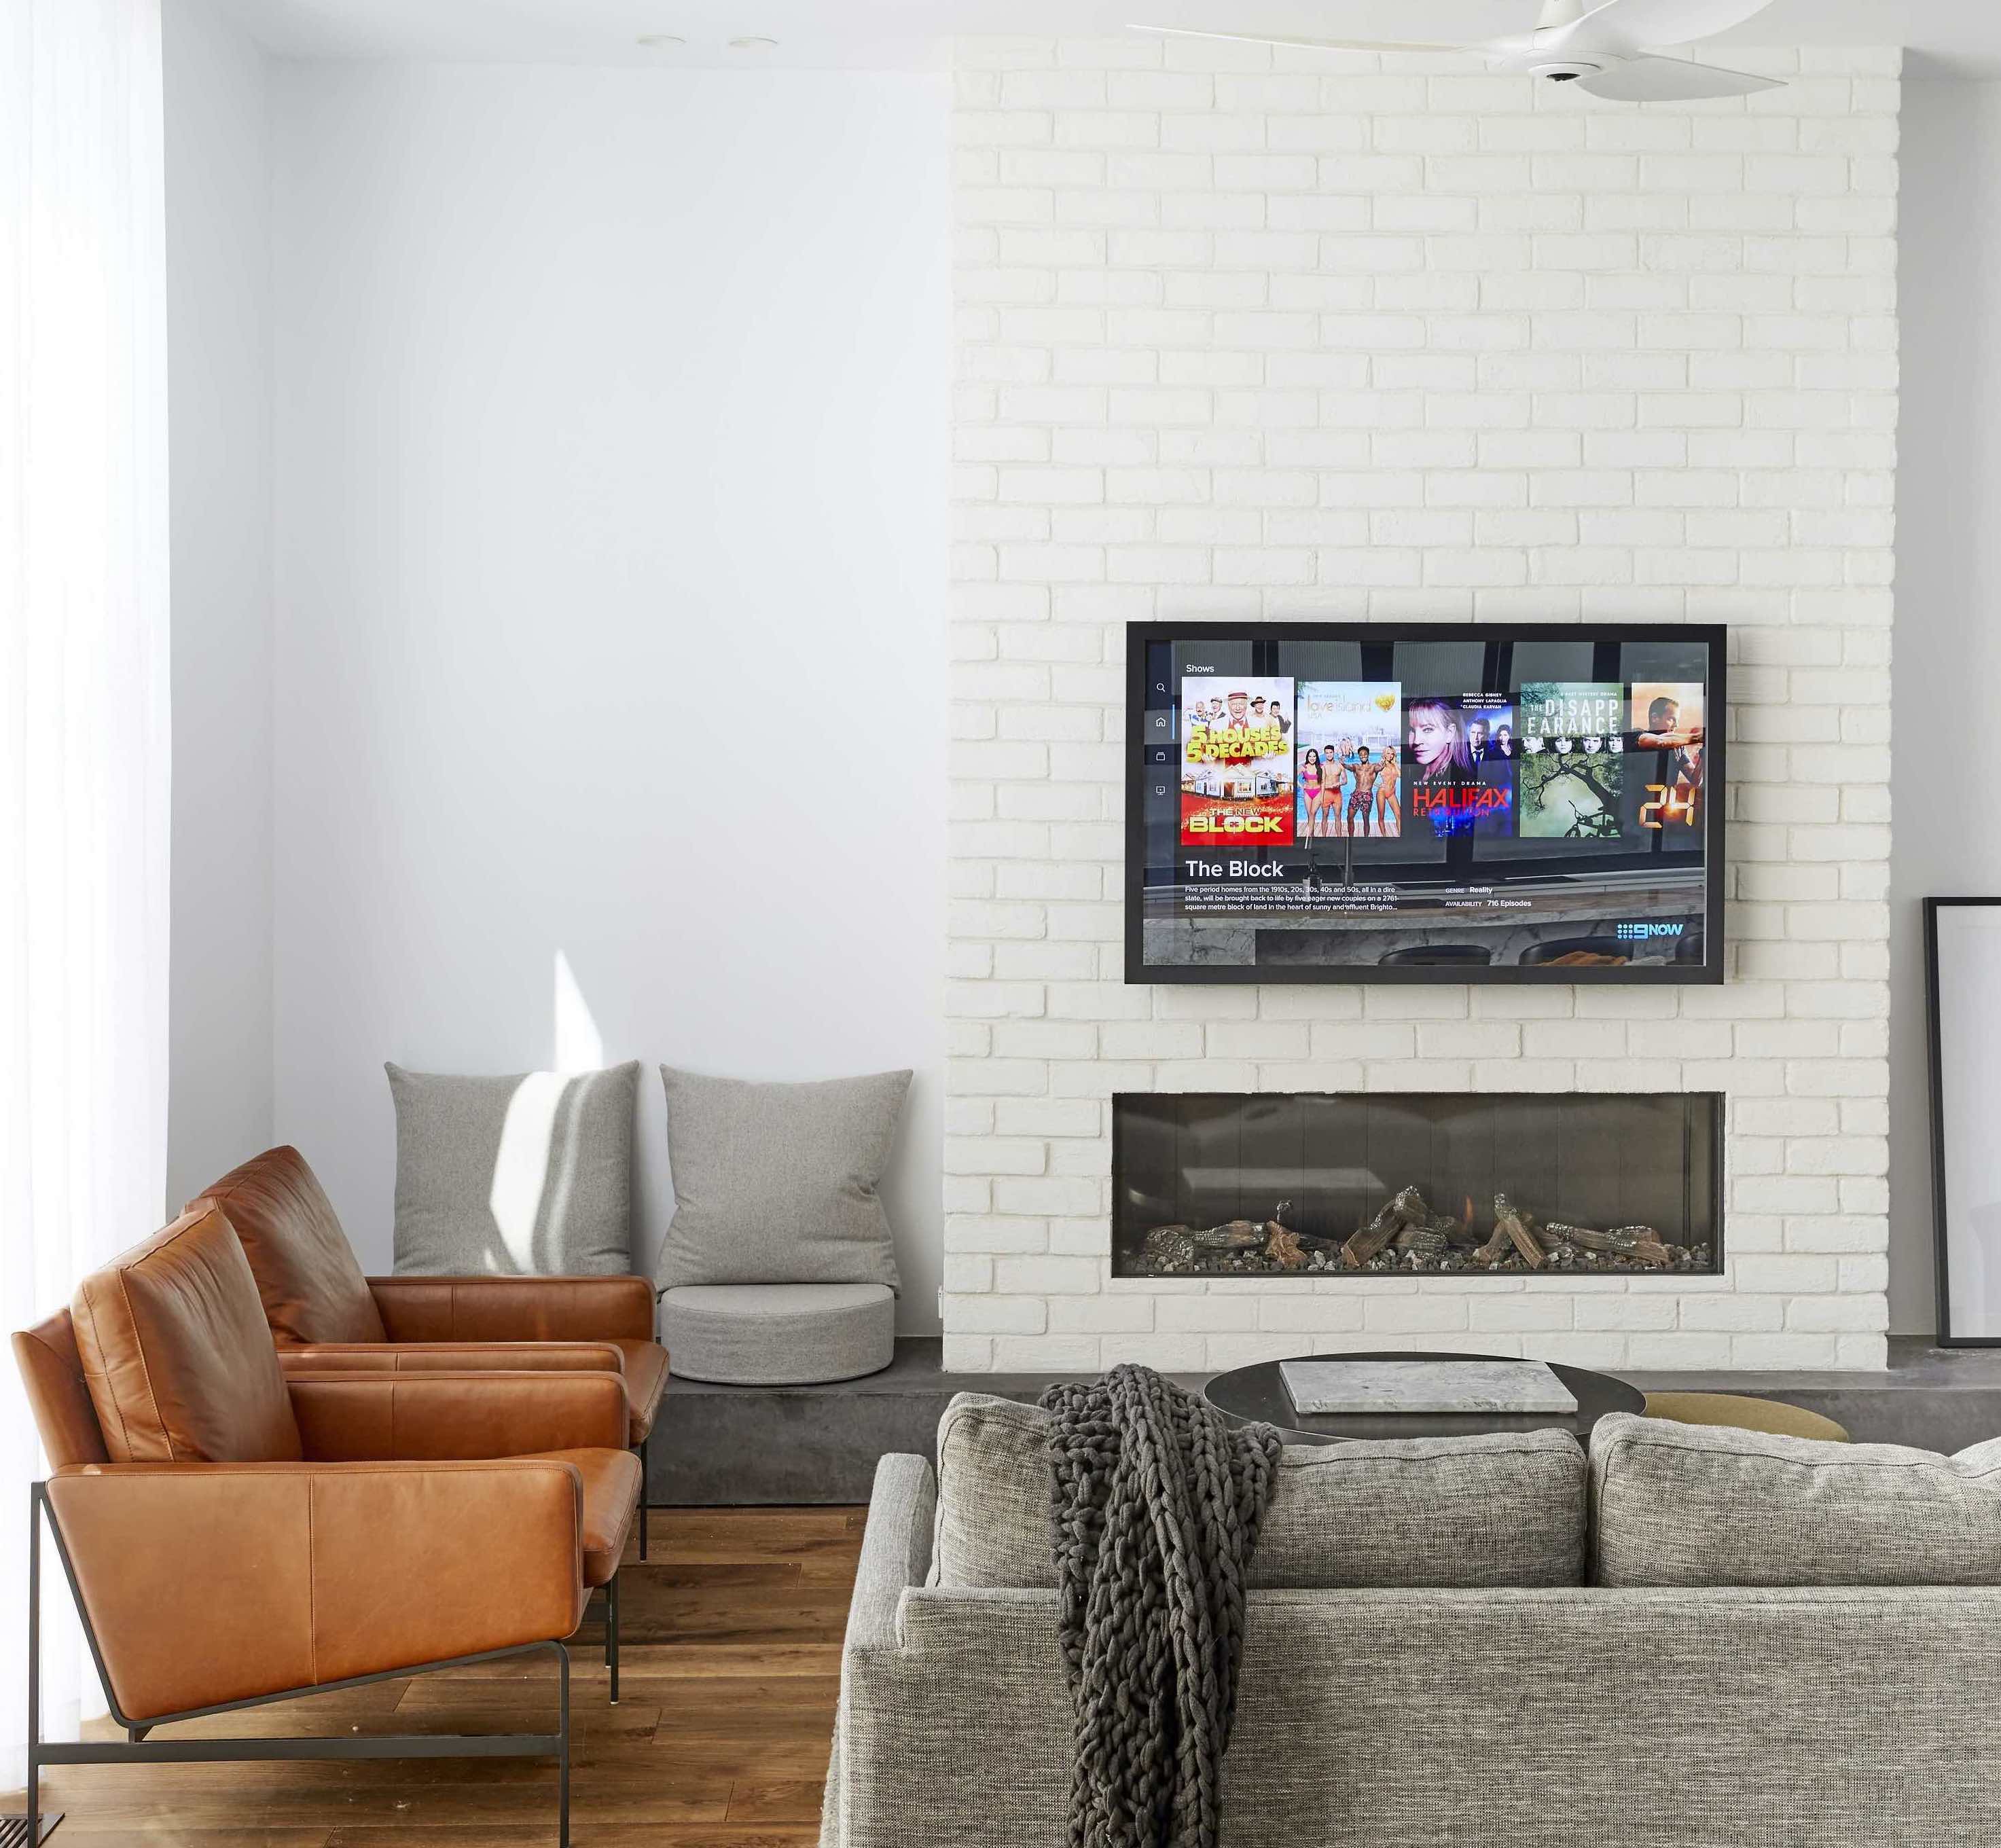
[{"x": 778, "y": 1333}]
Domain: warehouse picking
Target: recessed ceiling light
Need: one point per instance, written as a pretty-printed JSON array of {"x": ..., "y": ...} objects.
[
  {"x": 660, "y": 41},
  {"x": 753, "y": 42}
]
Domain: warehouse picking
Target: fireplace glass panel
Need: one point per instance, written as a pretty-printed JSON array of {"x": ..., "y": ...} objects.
[{"x": 1326, "y": 1185}]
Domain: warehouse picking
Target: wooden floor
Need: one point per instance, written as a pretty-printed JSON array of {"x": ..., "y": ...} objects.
[{"x": 730, "y": 1665}]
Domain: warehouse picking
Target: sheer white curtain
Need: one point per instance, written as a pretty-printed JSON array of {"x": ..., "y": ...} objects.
[{"x": 83, "y": 708}]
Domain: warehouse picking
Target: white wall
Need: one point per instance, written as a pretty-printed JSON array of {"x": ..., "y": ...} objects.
[
  {"x": 219, "y": 362},
  {"x": 1242, "y": 336},
  {"x": 1948, "y": 833},
  {"x": 610, "y": 548}
]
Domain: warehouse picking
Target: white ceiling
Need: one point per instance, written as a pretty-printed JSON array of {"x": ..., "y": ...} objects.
[{"x": 1946, "y": 37}]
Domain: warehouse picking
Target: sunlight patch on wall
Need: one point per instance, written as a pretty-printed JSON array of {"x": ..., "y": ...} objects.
[{"x": 579, "y": 1046}]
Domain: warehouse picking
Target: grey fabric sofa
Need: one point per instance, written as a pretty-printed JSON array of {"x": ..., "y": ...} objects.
[{"x": 1582, "y": 1716}]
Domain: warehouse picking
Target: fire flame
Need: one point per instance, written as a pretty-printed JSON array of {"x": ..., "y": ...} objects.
[{"x": 1466, "y": 1211}]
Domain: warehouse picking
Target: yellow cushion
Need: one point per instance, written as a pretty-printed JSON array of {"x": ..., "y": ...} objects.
[{"x": 1743, "y": 1414}]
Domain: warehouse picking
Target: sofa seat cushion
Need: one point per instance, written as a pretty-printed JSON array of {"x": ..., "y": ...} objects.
[
  {"x": 176, "y": 1353},
  {"x": 313, "y": 1289},
  {"x": 1689, "y": 1504},
  {"x": 611, "y": 1491},
  {"x": 778, "y": 1333},
  {"x": 1464, "y": 1512}
]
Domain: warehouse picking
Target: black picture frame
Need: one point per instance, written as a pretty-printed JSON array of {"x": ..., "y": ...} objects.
[
  {"x": 1941, "y": 1202},
  {"x": 1711, "y": 973}
]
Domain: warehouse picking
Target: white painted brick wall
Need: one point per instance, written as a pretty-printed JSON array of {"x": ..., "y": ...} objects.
[{"x": 1249, "y": 334}]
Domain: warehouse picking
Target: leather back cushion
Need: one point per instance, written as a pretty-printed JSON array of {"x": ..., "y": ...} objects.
[
  {"x": 179, "y": 1361},
  {"x": 1703, "y": 1504},
  {"x": 313, "y": 1289},
  {"x": 1468, "y": 1512}
]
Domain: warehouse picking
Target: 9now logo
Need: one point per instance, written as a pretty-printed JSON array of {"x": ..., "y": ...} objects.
[{"x": 1643, "y": 933}]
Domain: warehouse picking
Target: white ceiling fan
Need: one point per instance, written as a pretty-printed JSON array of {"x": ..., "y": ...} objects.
[{"x": 1602, "y": 48}]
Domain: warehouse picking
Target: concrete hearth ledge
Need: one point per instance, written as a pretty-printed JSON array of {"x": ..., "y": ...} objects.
[{"x": 747, "y": 1445}]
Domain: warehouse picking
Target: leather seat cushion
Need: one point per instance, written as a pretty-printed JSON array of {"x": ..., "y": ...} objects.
[
  {"x": 178, "y": 1357},
  {"x": 610, "y": 1499},
  {"x": 312, "y": 1288},
  {"x": 642, "y": 1364}
]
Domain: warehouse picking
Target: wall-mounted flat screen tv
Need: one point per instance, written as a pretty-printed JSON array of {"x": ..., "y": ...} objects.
[{"x": 1378, "y": 802}]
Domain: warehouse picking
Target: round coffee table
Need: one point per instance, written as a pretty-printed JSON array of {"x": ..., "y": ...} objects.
[{"x": 1257, "y": 1394}]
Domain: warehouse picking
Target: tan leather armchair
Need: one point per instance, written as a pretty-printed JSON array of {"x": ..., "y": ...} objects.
[
  {"x": 234, "y": 1536},
  {"x": 324, "y": 1315}
]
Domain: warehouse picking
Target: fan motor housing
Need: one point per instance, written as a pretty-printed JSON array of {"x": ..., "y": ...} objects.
[{"x": 1563, "y": 70}]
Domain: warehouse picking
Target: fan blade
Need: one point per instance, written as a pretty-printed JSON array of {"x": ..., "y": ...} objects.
[
  {"x": 1633, "y": 25},
  {"x": 1670, "y": 80},
  {"x": 1263, "y": 38}
]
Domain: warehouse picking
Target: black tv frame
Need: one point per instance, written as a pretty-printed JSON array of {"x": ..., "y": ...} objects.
[
  {"x": 1935, "y": 1049},
  {"x": 1709, "y": 973}
]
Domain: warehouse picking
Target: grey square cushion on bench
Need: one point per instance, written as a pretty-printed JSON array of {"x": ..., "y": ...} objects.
[
  {"x": 526, "y": 1175},
  {"x": 777, "y": 1183},
  {"x": 1467, "y": 1511},
  {"x": 778, "y": 1333}
]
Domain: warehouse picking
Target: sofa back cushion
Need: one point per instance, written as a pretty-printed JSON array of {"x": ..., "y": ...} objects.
[
  {"x": 1468, "y": 1512},
  {"x": 313, "y": 1289},
  {"x": 179, "y": 1361},
  {"x": 1703, "y": 1504}
]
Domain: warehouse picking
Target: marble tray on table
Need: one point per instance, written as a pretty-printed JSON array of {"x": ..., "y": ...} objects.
[{"x": 1328, "y": 1387}]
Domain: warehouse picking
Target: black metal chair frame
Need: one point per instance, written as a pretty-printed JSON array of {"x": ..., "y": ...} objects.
[
  {"x": 642, "y": 1446},
  {"x": 137, "y": 1748}
]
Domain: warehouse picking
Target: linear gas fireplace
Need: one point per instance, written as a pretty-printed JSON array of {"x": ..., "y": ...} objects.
[{"x": 1328, "y": 1185}]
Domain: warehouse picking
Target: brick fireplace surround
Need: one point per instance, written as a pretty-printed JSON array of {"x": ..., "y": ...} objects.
[{"x": 1247, "y": 335}]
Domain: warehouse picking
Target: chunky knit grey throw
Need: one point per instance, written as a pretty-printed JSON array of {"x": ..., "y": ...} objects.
[{"x": 1157, "y": 1501}]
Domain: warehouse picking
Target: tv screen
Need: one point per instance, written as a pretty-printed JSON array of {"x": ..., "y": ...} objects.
[{"x": 1374, "y": 803}]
